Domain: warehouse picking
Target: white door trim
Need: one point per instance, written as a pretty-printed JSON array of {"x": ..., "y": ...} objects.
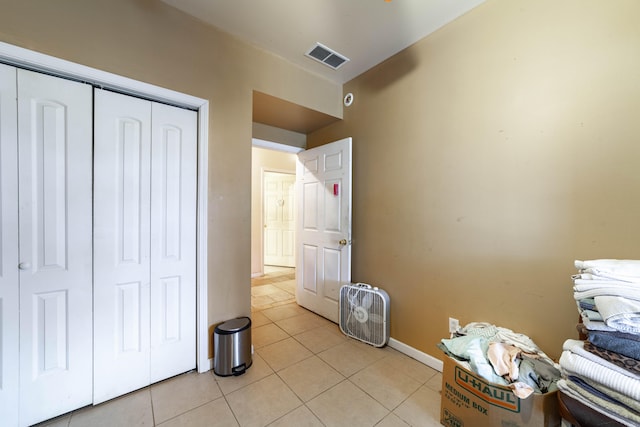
[
  {"x": 25, "y": 58},
  {"x": 276, "y": 146}
]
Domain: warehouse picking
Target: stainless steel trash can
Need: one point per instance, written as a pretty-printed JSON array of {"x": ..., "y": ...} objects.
[{"x": 232, "y": 346}]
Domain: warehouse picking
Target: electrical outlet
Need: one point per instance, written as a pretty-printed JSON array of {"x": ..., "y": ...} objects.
[{"x": 454, "y": 325}]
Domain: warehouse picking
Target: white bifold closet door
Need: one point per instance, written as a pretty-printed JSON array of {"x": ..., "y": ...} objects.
[
  {"x": 9, "y": 284},
  {"x": 144, "y": 243},
  {"x": 54, "y": 193},
  {"x": 45, "y": 284},
  {"x": 55, "y": 129}
]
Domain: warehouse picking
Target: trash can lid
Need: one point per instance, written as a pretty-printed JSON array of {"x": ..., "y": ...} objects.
[{"x": 233, "y": 325}]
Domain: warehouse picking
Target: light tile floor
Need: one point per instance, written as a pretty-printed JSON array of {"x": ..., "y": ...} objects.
[{"x": 305, "y": 372}]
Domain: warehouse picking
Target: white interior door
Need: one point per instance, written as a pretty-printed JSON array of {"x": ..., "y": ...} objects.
[
  {"x": 9, "y": 288},
  {"x": 323, "y": 264},
  {"x": 121, "y": 244},
  {"x": 145, "y": 243},
  {"x": 54, "y": 184},
  {"x": 173, "y": 240},
  {"x": 279, "y": 223}
]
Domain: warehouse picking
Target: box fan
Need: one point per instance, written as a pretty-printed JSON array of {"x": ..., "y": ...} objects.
[{"x": 364, "y": 313}]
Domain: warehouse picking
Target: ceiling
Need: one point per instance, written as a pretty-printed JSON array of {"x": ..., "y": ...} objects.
[{"x": 365, "y": 31}]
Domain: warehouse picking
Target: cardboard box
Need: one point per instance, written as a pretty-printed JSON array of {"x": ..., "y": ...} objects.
[{"x": 468, "y": 400}]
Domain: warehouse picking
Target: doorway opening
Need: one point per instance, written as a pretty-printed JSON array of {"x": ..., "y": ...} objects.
[{"x": 273, "y": 224}]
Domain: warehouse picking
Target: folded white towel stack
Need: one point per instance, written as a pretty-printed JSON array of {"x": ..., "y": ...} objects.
[{"x": 603, "y": 372}]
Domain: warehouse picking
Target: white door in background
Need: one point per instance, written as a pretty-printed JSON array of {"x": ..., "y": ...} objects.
[
  {"x": 279, "y": 214},
  {"x": 145, "y": 241},
  {"x": 323, "y": 263},
  {"x": 9, "y": 285},
  {"x": 54, "y": 184}
]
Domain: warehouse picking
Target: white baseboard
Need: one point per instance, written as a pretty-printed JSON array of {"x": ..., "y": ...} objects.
[
  {"x": 205, "y": 367},
  {"x": 425, "y": 358},
  {"x": 258, "y": 274},
  {"x": 403, "y": 348}
]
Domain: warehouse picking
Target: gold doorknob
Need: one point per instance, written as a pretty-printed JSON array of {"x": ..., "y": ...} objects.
[{"x": 343, "y": 242}]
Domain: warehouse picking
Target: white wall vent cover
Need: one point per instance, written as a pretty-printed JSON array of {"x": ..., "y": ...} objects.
[{"x": 327, "y": 56}]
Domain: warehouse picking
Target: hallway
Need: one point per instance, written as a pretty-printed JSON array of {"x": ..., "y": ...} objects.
[{"x": 275, "y": 288}]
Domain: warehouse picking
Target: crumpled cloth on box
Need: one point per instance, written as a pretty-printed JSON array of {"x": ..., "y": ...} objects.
[
  {"x": 515, "y": 365},
  {"x": 539, "y": 373},
  {"x": 498, "y": 334},
  {"x": 506, "y": 358},
  {"x": 474, "y": 349}
]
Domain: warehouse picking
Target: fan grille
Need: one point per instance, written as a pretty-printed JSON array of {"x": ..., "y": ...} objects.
[{"x": 364, "y": 314}]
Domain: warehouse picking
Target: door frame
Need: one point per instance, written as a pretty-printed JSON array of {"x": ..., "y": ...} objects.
[{"x": 24, "y": 58}]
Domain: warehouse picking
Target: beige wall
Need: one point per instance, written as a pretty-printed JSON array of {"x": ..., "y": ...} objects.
[
  {"x": 270, "y": 161},
  {"x": 491, "y": 155},
  {"x": 149, "y": 41}
]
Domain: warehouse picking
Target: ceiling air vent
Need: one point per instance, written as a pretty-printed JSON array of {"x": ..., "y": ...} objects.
[{"x": 328, "y": 57}]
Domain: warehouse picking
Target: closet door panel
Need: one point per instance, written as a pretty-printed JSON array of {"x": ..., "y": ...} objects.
[
  {"x": 122, "y": 244},
  {"x": 173, "y": 241},
  {"x": 9, "y": 297},
  {"x": 55, "y": 156},
  {"x": 144, "y": 252}
]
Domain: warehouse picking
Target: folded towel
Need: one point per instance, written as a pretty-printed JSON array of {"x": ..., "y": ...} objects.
[
  {"x": 584, "y": 284},
  {"x": 606, "y": 278},
  {"x": 595, "y": 325},
  {"x": 619, "y": 291},
  {"x": 605, "y": 283},
  {"x": 617, "y": 412},
  {"x": 619, "y": 313},
  {"x": 587, "y": 304},
  {"x": 625, "y": 400},
  {"x": 610, "y": 276},
  {"x": 625, "y": 362},
  {"x": 617, "y": 342},
  {"x": 574, "y": 364},
  {"x": 592, "y": 315},
  {"x": 577, "y": 347},
  {"x": 620, "y": 269}
]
